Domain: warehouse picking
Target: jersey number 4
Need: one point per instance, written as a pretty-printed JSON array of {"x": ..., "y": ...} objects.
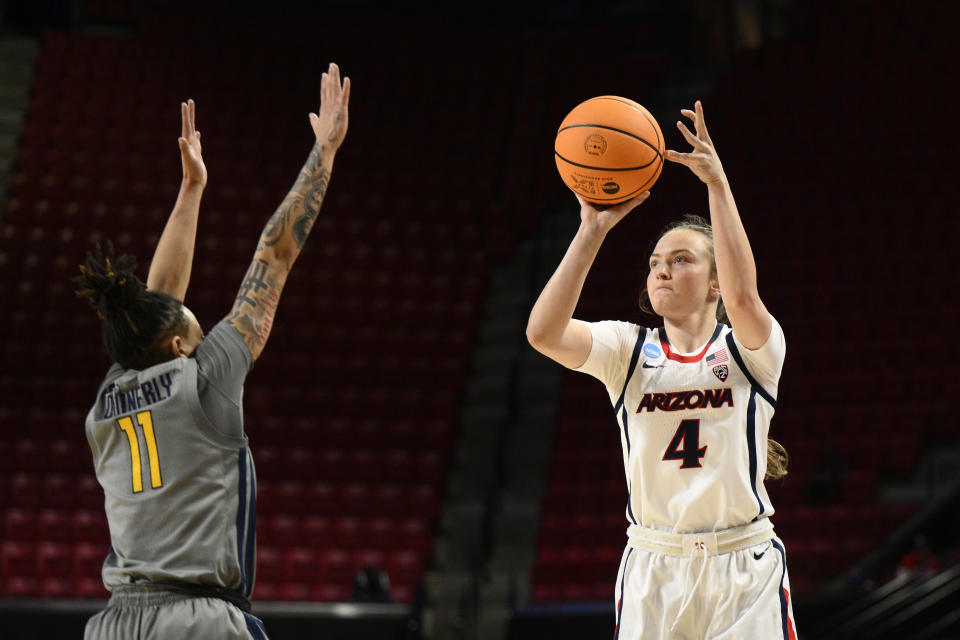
[
  {"x": 145, "y": 419},
  {"x": 687, "y": 435}
]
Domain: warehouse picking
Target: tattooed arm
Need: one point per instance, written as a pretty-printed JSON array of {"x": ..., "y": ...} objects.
[{"x": 287, "y": 229}]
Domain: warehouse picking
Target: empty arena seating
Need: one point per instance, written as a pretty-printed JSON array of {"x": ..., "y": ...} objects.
[
  {"x": 351, "y": 409},
  {"x": 848, "y": 251}
]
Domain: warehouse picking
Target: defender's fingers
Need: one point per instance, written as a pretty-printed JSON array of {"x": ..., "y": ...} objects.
[
  {"x": 324, "y": 88},
  {"x": 184, "y": 119},
  {"x": 346, "y": 91},
  {"x": 192, "y": 110}
]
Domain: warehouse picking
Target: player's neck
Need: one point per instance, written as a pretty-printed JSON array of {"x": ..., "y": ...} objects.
[{"x": 691, "y": 332}]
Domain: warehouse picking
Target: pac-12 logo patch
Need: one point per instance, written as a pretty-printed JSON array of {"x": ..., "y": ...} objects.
[
  {"x": 721, "y": 372},
  {"x": 652, "y": 351}
]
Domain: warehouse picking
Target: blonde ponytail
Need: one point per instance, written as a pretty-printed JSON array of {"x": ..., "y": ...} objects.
[{"x": 777, "y": 460}]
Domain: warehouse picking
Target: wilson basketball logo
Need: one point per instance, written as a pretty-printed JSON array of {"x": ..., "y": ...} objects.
[{"x": 595, "y": 145}]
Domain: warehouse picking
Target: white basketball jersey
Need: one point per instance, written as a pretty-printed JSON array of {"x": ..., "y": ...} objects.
[{"x": 693, "y": 426}]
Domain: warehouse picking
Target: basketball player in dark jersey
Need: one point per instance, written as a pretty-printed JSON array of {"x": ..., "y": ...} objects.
[{"x": 166, "y": 430}]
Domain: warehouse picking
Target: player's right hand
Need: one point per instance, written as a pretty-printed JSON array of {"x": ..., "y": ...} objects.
[
  {"x": 602, "y": 220},
  {"x": 194, "y": 171},
  {"x": 330, "y": 123}
]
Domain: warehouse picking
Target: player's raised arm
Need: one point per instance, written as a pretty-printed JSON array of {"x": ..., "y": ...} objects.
[
  {"x": 173, "y": 258},
  {"x": 736, "y": 269},
  {"x": 287, "y": 229},
  {"x": 551, "y": 329}
]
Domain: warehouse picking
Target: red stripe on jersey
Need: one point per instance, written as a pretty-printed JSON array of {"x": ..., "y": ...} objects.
[
  {"x": 790, "y": 628},
  {"x": 678, "y": 358},
  {"x": 616, "y": 629}
]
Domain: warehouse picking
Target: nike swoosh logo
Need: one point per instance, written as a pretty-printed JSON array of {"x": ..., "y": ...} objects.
[
  {"x": 652, "y": 366},
  {"x": 757, "y": 556}
]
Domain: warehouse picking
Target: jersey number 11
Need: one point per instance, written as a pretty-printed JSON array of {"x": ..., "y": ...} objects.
[{"x": 145, "y": 419}]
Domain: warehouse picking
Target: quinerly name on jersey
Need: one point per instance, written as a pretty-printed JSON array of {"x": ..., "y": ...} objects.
[
  {"x": 118, "y": 402},
  {"x": 682, "y": 400}
]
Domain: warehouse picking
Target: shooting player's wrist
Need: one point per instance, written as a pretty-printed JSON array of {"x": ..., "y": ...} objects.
[{"x": 191, "y": 184}]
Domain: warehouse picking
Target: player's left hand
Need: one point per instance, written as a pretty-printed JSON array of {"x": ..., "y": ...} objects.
[
  {"x": 194, "y": 171},
  {"x": 703, "y": 160}
]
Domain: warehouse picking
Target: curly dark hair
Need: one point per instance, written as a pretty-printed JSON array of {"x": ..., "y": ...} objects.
[{"x": 136, "y": 323}]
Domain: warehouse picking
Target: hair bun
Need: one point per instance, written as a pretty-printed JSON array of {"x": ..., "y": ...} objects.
[{"x": 109, "y": 283}]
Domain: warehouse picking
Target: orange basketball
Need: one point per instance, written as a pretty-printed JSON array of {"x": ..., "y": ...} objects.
[{"x": 609, "y": 149}]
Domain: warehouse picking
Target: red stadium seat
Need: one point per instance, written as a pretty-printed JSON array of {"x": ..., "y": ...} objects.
[
  {"x": 322, "y": 499},
  {"x": 89, "y": 493},
  {"x": 316, "y": 531},
  {"x": 295, "y": 591},
  {"x": 414, "y": 535},
  {"x": 279, "y": 531},
  {"x": 70, "y": 457},
  {"x": 404, "y": 567},
  {"x": 329, "y": 592},
  {"x": 55, "y": 525},
  {"x": 54, "y": 560},
  {"x": 59, "y": 491},
  {"x": 335, "y": 567},
  {"x": 345, "y": 532},
  {"x": 20, "y": 525},
  {"x": 54, "y": 587},
  {"x": 24, "y": 491},
  {"x": 270, "y": 566},
  {"x": 88, "y": 560},
  {"x": 387, "y": 500},
  {"x": 23, "y": 587},
  {"x": 367, "y": 557},
  {"x": 422, "y": 501},
  {"x": 90, "y": 526},
  {"x": 17, "y": 559},
  {"x": 302, "y": 565}
]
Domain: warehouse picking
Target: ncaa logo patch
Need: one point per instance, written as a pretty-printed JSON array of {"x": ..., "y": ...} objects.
[
  {"x": 652, "y": 351},
  {"x": 721, "y": 372}
]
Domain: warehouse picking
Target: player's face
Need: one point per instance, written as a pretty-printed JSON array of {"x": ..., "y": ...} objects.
[
  {"x": 194, "y": 337},
  {"x": 680, "y": 282}
]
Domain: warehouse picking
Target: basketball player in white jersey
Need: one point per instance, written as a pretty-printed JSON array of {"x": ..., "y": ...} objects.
[{"x": 693, "y": 399}]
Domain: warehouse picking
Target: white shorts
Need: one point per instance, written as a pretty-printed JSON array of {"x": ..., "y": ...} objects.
[{"x": 734, "y": 595}]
